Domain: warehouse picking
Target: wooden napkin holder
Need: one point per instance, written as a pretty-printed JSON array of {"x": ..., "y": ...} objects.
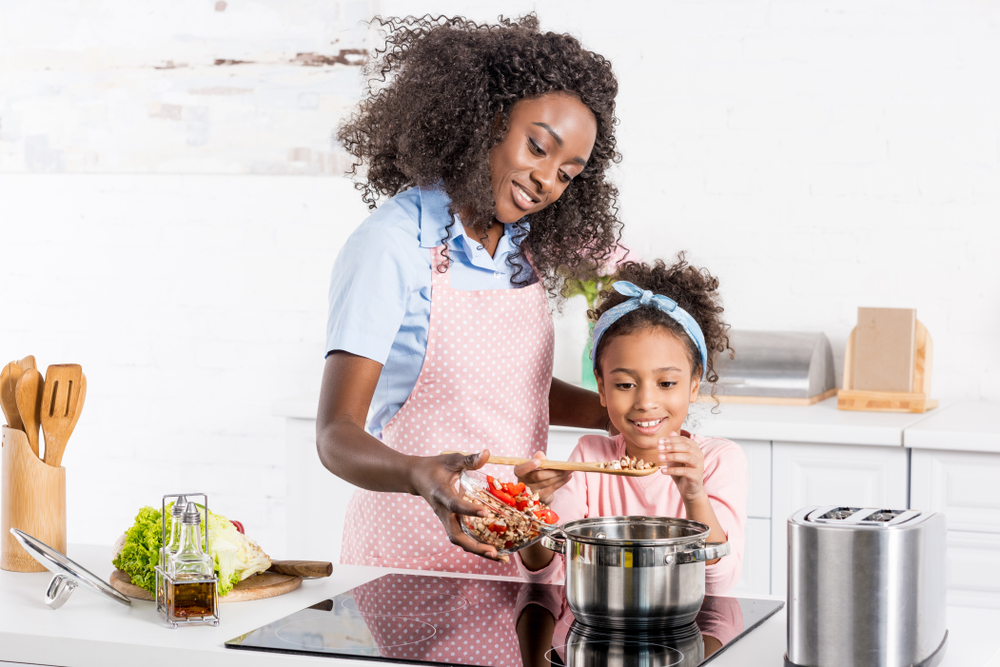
[
  {"x": 33, "y": 500},
  {"x": 918, "y": 400}
]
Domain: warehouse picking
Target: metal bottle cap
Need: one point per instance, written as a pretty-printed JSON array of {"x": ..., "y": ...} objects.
[
  {"x": 179, "y": 507},
  {"x": 191, "y": 514}
]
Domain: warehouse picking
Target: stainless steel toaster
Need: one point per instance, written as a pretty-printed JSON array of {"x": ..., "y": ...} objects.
[{"x": 866, "y": 588}]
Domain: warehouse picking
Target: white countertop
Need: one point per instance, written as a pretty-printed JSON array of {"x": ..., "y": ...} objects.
[
  {"x": 93, "y": 630},
  {"x": 953, "y": 425},
  {"x": 972, "y": 426}
]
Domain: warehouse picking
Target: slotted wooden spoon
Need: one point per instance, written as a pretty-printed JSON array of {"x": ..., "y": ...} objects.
[
  {"x": 8, "y": 394},
  {"x": 546, "y": 464},
  {"x": 62, "y": 401},
  {"x": 29, "y": 405}
]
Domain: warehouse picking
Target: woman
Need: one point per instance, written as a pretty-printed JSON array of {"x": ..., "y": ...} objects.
[{"x": 493, "y": 143}]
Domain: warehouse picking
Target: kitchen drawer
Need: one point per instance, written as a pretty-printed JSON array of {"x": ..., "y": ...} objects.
[
  {"x": 756, "y": 577},
  {"x": 973, "y": 569},
  {"x": 758, "y": 454},
  {"x": 961, "y": 485}
]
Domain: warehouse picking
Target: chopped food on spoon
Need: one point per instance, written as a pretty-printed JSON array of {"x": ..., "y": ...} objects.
[{"x": 625, "y": 463}]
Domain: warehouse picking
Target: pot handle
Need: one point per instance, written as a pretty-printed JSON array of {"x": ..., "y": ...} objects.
[
  {"x": 711, "y": 551},
  {"x": 553, "y": 543}
]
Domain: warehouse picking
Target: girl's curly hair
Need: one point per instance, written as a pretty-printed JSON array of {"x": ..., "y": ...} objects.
[
  {"x": 440, "y": 94},
  {"x": 695, "y": 290}
]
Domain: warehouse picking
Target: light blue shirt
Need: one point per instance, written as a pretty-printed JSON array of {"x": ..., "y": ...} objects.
[{"x": 380, "y": 291}]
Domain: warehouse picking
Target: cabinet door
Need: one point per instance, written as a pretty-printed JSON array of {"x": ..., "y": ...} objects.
[
  {"x": 808, "y": 474},
  {"x": 973, "y": 575},
  {"x": 756, "y": 577},
  {"x": 961, "y": 485},
  {"x": 758, "y": 454}
]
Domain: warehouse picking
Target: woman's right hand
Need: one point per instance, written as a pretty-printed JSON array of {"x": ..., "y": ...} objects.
[
  {"x": 543, "y": 482},
  {"x": 435, "y": 479}
]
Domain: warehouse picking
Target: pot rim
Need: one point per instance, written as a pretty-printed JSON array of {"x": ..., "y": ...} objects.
[{"x": 701, "y": 535}]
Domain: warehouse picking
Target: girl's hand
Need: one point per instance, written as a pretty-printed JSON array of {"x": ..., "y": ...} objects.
[
  {"x": 682, "y": 459},
  {"x": 542, "y": 482},
  {"x": 435, "y": 479}
]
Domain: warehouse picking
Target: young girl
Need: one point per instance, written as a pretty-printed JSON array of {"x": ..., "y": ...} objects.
[{"x": 656, "y": 340}]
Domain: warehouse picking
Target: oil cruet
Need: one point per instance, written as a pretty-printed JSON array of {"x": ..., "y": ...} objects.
[{"x": 186, "y": 582}]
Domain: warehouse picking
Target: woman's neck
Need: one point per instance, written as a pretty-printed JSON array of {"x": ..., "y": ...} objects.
[{"x": 489, "y": 239}]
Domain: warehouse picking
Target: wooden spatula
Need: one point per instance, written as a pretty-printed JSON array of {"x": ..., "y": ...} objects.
[
  {"x": 565, "y": 465},
  {"x": 29, "y": 405},
  {"x": 62, "y": 401}
]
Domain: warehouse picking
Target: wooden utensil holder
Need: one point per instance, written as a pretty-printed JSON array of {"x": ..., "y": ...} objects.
[
  {"x": 919, "y": 400},
  {"x": 33, "y": 500}
]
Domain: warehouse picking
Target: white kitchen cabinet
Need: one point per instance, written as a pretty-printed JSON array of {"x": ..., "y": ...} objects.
[
  {"x": 758, "y": 455},
  {"x": 756, "y": 577},
  {"x": 809, "y": 474},
  {"x": 965, "y": 486},
  {"x": 973, "y": 569}
]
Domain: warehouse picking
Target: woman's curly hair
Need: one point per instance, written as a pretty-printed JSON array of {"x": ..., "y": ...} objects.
[
  {"x": 695, "y": 290},
  {"x": 440, "y": 94}
]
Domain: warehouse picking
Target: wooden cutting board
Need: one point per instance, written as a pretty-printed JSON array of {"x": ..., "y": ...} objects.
[{"x": 257, "y": 587}]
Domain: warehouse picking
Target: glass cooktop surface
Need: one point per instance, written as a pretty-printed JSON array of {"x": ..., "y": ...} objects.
[{"x": 424, "y": 619}]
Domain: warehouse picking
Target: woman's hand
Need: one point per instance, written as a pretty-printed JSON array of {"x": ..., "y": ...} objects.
[
  {"x": 542, "y": 482},
  {"x": 682, "y": 459},
  {"x": 435, "y": 479}
]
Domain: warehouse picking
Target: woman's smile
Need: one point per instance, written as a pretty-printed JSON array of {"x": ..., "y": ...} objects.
[{"x": 522, "y": 198}]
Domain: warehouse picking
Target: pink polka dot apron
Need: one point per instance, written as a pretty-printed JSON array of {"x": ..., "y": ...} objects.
[{"x": 484, "y": 383}]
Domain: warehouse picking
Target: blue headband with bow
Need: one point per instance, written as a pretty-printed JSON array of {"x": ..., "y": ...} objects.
[{"x": 641, "y": 298}]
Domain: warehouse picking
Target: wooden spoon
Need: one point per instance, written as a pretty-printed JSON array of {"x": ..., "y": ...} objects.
[
  {"x": 30, "y": 388},
  {"x": 8, "y": 394},
  {"x": 62, "y": 401},
  {"x": 27, "y": 362},
  {"x": 546, "y": 464}
]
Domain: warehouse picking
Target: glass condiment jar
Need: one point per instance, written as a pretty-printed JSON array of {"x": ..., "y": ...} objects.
[
  {"x": 174, "y": 543},
  {"x": 190, "y": 594}
]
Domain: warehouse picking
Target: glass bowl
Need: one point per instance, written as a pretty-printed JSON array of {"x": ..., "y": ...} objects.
[{"x": 506, "y": 528}]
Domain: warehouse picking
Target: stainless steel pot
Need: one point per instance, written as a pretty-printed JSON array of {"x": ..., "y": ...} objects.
[{"x": 634, "y": 572}]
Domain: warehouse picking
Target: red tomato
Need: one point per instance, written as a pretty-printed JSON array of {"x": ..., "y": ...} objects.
[
  {"x": 521, "y": 504},
  {"x": 503, "y": 497},
  {"x": 238, "y": 526},
  {"x": 497, "y": 528},
  {"x": 547, "y": 515},
  {"x": 517, "y": 489}
]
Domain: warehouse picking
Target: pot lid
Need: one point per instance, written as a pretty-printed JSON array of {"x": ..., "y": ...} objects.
[{"x": 68, "y": 573}]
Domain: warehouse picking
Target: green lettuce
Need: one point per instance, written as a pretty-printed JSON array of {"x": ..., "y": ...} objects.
[{"x": 236, "y": 556}]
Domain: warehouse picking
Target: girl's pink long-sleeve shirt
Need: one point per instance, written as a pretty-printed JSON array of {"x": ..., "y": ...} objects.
[{"x": 594, "y": 494}]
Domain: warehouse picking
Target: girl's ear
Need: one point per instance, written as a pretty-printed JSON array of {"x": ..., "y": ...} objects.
[
  {"x": 600, "y": 389},
  {"x": 695, "y": 386}
]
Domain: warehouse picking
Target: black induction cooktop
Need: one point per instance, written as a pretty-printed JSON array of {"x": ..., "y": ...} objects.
[{"x": 434, "y": 620}]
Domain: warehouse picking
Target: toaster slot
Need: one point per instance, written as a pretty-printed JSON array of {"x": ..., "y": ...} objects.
[
  {"x": 889, "y": 517},
  {"x": 840, "y": 513}
]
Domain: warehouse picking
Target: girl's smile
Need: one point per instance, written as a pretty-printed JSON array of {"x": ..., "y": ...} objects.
[{"x": 646, "y": 384}]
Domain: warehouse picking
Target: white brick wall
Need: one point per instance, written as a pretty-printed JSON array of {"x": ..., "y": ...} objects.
[{"x": 817, "y": 155}]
